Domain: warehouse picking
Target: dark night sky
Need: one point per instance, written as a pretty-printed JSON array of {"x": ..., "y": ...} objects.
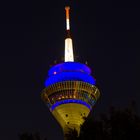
[{"x": 105, "y": 33}]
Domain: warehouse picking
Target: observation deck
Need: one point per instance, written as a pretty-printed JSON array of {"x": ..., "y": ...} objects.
[{"x": 70, "y": 93}]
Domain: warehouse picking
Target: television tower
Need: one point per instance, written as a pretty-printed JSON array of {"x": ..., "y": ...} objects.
[{"x": 70, "y": 91}]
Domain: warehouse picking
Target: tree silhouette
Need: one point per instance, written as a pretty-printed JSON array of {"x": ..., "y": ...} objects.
[
  {"x": 72, "y": 134},
  {"x": 116, "y": 125}
]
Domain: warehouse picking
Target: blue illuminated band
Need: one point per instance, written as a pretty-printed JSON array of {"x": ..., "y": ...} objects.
[
  {"x": 69, "y": 71},
  {"x": 69, "y": 66},
  {"x": 58, "y": 103}
]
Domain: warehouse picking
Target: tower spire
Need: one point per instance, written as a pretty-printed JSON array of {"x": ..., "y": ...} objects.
[
  {"x": 69, "y": 56},
  {"x": 67, "y": 8}
]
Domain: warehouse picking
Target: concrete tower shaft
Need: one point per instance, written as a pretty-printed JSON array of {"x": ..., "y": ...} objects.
[{"x": 69, "y": 56}]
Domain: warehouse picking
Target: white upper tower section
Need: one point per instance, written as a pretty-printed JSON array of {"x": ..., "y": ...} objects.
[{"x": 69, "y": 56}]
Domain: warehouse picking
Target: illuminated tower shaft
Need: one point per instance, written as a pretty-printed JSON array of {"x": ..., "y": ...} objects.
[
  {"x": 70, "y": 91},
  {"x": 69, "y": 57}
]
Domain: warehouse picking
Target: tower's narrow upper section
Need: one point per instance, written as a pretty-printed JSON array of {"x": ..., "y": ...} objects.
[
  {"x": 69, "y": 56},
  {"x": 67, "y": 8}
]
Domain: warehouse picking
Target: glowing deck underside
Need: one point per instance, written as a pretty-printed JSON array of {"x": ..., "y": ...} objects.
[{"x": 70, "y": 115}]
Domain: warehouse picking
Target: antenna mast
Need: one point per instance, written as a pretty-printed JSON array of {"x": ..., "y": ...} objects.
[{"x": 67, "y": 8}]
